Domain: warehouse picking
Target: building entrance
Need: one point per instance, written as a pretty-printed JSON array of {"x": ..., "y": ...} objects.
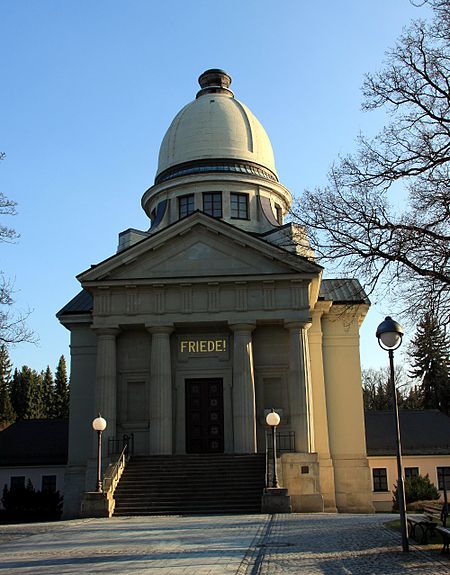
[{"x": 204, "y": 416}]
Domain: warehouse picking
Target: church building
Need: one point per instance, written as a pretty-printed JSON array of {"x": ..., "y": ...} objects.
[{"x": 195, "y": 329}]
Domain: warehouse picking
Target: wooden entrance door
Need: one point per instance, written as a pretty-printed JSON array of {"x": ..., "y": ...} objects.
[{"x": 204, "y": 416}]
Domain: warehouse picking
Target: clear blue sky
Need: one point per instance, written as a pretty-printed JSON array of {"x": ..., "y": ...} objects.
[{"x": 88, "y": 89}]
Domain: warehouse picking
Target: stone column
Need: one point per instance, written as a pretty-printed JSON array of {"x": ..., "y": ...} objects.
[
  {"x": 106, "y": 378},
  {"x": 244, "y": 409},
  {"x": 299, "y": 386},
  {"x": 160, "y": 391}
]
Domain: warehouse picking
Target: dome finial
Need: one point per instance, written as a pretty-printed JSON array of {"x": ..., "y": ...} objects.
[{"x": 214, "y": 81}]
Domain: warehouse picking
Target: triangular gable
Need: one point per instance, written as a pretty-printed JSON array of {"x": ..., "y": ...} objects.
[{"x": 199, "y": 246}]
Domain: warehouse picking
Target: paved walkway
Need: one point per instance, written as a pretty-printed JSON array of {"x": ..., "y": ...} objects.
[{"x": 238, "y": 545}]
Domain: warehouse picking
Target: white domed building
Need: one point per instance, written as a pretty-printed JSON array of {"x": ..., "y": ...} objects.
[{"x": 195, "y": 329}]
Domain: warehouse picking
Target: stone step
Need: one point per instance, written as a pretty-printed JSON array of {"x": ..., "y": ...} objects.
[{"x": 191, "y": 484}]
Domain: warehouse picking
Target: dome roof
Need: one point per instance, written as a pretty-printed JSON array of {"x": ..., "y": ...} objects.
[{"x": 215, "y": 126}]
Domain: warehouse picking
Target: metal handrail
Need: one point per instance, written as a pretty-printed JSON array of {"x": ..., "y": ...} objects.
[{"x": 114, "y": 472}]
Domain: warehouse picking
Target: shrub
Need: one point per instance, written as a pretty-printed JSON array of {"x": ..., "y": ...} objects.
[
  {"x": 417, "y": 488},
  {"x": 27, "y": 504}
]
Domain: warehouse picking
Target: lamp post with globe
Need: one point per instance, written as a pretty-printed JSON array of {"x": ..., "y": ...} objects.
[
  {"x": 389, "y": 334},
  {"x": 99, "y": 425},
  {"x": 273, "y": 419}
]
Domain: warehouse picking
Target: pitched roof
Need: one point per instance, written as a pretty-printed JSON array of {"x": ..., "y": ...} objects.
[
  {"x": 34, "y": 442},
  {"x": 424, "y": 432},
  {"x": 81, "y": 303},
  {"x": 184, "y": 225},
  {"x": 343, "y": 291}
]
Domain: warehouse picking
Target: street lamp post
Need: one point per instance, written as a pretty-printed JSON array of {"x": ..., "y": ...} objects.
[
  {"x": 99, "y": 425},
  {"x": 273, "y": 419},
  {"x": 389, "y": 334}
]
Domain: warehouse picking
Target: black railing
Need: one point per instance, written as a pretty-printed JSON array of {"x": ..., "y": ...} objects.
[
  {"x": 285, "y": 444},
  {"x": 117, "y": 444}
]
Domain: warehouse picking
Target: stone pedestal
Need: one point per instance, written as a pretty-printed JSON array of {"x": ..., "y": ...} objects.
[
  {"x": 276, "y": 500},
  {"x": 95, "y": 504}
]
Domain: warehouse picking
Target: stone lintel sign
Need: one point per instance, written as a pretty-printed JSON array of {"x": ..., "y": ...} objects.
[{"x": 201, "y": 345}]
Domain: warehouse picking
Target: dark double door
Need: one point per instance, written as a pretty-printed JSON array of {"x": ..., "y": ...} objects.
[{"x": 204, "y": 416}]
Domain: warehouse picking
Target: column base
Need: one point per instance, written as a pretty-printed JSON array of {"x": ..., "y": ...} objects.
[{"x": 276, "y": 500}]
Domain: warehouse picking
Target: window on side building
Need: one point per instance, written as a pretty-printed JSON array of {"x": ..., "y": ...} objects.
[
  {"x": 185, "y": 205},
  {"x": 48, "y": 483},
  {"x": 239, "y": 206},
  {"x": 17, "y": 482},
  {"x": 379, "y": 475},
  {"x": 212, "y": 204},
  {"x": 411, "y": 472},
  {"x": 443, "y": 473}
]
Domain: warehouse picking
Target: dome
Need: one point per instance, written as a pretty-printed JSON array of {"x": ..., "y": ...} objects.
[{"x": 215, "y": 126}]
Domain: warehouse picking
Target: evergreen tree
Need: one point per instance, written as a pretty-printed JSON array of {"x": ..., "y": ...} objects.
[
  {"x": 429, "y": 353},
  {"x": 61, "y": 395},
  {"x": 26, "y": 393},
  {"x": 19, "y": 393},
  {"x": 37, "y": 408},
  {"x": 47, "y": 393},
  {"x": 7, "y": 414}
]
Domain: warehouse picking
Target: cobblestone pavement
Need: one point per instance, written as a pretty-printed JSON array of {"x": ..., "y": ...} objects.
[
  {"x": 238, "y": 545},
  {"x": 341, "y": 545}
]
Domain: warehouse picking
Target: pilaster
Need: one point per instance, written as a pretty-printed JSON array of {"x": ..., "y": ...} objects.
[
  {"x": 160, "y": 408},
  {"x": 106, "y": 378},
  {"x": 299, "y": 385},
  {"x": 244, "y": 407}
]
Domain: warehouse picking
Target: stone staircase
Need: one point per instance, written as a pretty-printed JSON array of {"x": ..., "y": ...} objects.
[{"x": 191, "y": 484}]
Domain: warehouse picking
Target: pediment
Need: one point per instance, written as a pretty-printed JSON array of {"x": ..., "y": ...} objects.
[{"x": 204, "y": 249}]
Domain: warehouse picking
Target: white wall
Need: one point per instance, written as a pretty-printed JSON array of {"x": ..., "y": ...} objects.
[{"x": 34, "y": 474}]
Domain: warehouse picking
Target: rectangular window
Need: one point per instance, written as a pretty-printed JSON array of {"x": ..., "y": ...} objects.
[
  {"x": 380, "y": 479},
  {"x": 443, "y": 473},
  {"x": 17, "y": 482},
  {"x": 185, "y": 205},
  {"x": 212, "y": 204},
  {"x": 279, "y": 213},
  {"x": 48, "y": 484},
  {"x": 239, "y": 206},
  {"x": 411, "y": 472}
]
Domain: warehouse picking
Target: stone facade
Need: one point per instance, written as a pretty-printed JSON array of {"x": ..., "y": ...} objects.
[{"x": 220, "y": 300}]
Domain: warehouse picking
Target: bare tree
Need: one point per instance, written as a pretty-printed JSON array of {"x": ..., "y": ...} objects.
[
  {"x": 13, "y": 328},
  {"x": 351, "y": 221}
]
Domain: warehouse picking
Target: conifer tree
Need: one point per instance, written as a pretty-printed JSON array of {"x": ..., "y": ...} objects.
[
  {"x": 37, "y": 410},
  {"x": 7, "y": 414},
  {"x": 47, "y": 393},
  {"x": 61, "y": 395},
  {"x": 22, "y": 392},
  {"x": 429, "y": 353}
]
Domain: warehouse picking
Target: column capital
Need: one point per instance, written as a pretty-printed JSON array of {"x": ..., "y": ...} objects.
[
  {"x": 102, "y": 331},
  {"x": 297, "y": 325},
  {"x": 247, "y": 327},
  {"x": 159, "y": 329}
]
